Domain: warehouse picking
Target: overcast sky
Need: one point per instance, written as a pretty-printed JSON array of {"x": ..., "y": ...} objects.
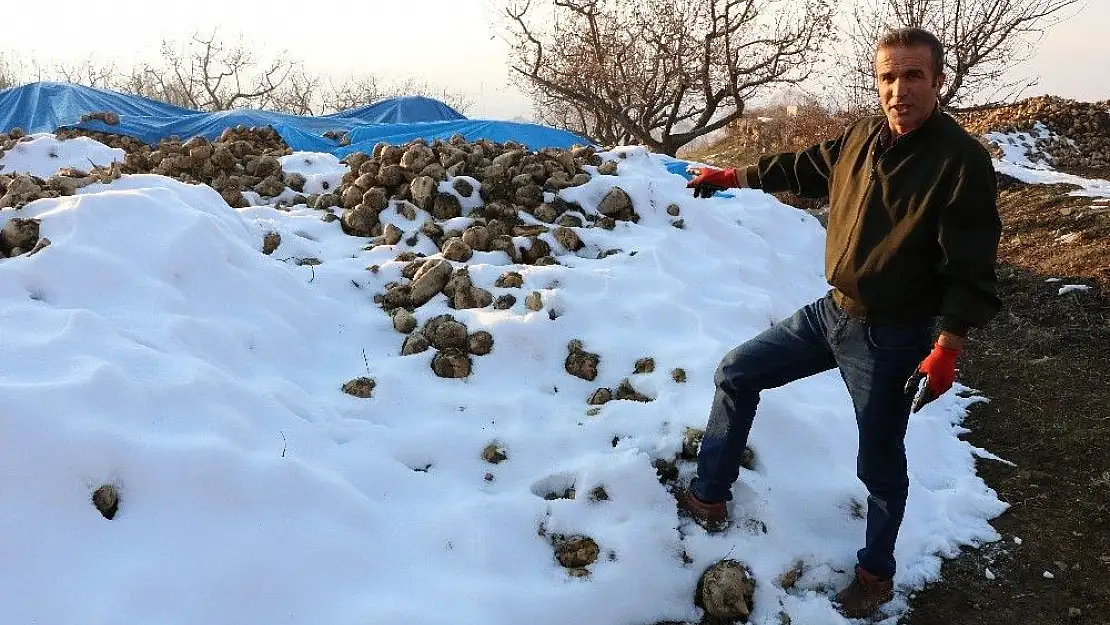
[{"x": 446, "y": 42}]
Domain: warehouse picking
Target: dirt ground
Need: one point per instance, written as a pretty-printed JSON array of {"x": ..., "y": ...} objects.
[{"x": 1044, "y": 362}]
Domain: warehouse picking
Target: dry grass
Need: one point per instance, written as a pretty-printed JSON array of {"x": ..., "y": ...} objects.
[{"x": 771, "y": 131}]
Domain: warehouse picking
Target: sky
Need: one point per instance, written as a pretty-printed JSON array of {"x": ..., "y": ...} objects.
[{"x": 453, "y": 43}]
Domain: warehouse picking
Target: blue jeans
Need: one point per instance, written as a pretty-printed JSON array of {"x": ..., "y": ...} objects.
[{"x": 875, "y": 360}]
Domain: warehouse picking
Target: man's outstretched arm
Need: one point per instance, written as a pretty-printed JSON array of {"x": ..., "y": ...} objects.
[{"x": 804, "y": 173}]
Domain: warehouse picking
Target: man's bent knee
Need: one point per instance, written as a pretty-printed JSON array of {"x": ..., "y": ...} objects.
[
  {"x": 731, "y": 375},
  {"x": 885, "y": 485}
]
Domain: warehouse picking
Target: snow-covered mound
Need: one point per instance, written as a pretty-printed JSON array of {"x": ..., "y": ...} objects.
[
  {"x": 43, "y": 155},
  {"x": 322, "y": 172},
  {"x": 1075, "y": 134},
  {"x": 1034, "y": 138},
  {"x": 1022, "y": 155},
  {"x": 152, "y": 346},
  {"x": 1026, "y": 149}
]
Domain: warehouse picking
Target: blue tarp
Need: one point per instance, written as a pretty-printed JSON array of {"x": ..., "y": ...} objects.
[
  {"x": 48, "y": 106},
  {"x": 680, "y": 167},
  {"x": 404, "y": 110}
]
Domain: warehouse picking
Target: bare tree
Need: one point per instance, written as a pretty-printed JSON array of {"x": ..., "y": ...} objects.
[
  {"x": 299, "y": 95},
  {"x": 90, "y": 73},
  {"x": 576, "y": 117},
  {"x": 208, "y": 75},
  {"x": 9, "y": 75},
  {"x": 412, "y": 86},
  {"x": 350, "y": 93},
  {"x": 663, "y": 72},
  {"x": 983, "y": 39},
  {"x": 361, "y": 90},
  {"x": 15, "y": 72}
]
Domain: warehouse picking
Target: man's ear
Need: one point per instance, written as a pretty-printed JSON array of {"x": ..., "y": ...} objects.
[{"x": 940, "y": 83}]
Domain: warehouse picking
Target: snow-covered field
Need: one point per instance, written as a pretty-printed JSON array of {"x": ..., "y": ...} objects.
[{"x": 153, "y": 347}]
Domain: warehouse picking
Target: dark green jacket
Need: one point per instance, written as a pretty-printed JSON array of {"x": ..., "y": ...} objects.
[{"x": 913, "y": 225}]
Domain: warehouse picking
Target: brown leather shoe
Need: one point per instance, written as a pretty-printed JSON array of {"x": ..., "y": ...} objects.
[
  {"x": 708, "y": 514},
  {"x": 865, "y": 594}
]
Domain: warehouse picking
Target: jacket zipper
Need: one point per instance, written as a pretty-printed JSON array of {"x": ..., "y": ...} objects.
[{"x": 871, "y": 175}]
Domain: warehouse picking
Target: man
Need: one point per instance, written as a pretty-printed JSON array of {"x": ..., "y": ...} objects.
[{"x": 912, "y": 237}]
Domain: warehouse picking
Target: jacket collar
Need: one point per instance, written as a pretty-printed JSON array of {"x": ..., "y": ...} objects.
[{"x": 886, "y": 134}]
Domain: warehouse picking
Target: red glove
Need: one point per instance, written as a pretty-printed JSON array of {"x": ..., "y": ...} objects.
[
  {"x": 939, "y": 372},
  {"x": 708, "y": 181}
]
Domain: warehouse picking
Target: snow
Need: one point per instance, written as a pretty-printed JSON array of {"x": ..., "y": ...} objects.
[
  {"x": 1021, "y": 159},
  {"x": 1071, "y": 288},
  {"x": 153, "y": 347},
  {"x": 989, "y": 574},
  {"x": 1048, "y": 575},
  {"x": 43, "y": 155},
  {"x": 323, "y": 172},
  {"x": 1090, "y": 187},
  {"x": 1020, "y": 148}
]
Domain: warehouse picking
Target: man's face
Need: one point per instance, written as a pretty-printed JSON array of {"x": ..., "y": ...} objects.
[{"x": 908, "y": 85}]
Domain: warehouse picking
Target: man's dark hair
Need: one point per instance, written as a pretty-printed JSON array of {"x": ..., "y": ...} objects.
[{"x": 910, "y": 37}]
